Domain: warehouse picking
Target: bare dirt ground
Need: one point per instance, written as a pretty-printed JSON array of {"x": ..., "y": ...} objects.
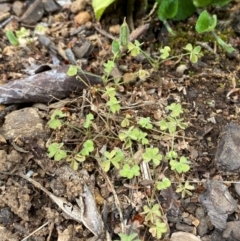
[{"x": 43, "y": 207}]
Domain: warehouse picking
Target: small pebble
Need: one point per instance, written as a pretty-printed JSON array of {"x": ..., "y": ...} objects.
[{"x": 82, "y": 18}]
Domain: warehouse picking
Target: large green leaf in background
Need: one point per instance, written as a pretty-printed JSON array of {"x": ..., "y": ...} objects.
[
  {"x": 201, "y": 3},
  {"x": 99, "y": 7},
  {"x": 167, "y": 9},
  {"x": 185, "y": 10},
  {"x": 220, "y": 2},
  {"x": 204, "y": 3}
]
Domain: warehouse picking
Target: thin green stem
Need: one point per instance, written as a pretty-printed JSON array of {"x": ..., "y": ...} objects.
[{"x": 227, "y": 47}]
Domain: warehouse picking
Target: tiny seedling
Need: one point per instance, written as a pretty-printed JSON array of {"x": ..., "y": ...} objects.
[
  {"x": 164, "y": 184},
  {"x": 195, "y": 53},
  {"x": 113, "y": 104},
  {"x": 54, "y": 150},
  {"x": 152, "y": 154},
  {"x": 145, "y": 123},
  {"x": 126, "y": 122},
  {"x": 88, "y": 147},
  {"x": 180, "y": 166},
  {"x": 130, "y": 172},
  {"x": 72, "y": 70},
  {"x": 12, "y": 38},
  {"x": 114, "y": 157},
  {"x": 133, "y": 134},
  {"x": 185, "y": 189},
  {"x": 158, "y": 229},
  {"x": 20, "y": 38},
  {"x": 88, "y": 120},
  {"x": 55, "y": 121},
  {"x": 207, "y": 23},
  {"x": 152, "y": 213},
  {"x": 80, "y": 157},
  {"x": 130, "y": 237}
]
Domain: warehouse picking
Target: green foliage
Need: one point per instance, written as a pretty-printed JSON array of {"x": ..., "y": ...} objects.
[
  {"x": 129, "y": 172},
  {"x": 158, "y": 229},
  {"x": 145, "y": 123},
  {"x": 130, "y": 237},
  {"x": 205, "y": 3},
  {"x": 113, "y": 104},
  {"x": 176, "y": 109},
  {"x": 72, "y": 70},
  {"x": 164, "y": 184},
  {"x": 165, "y": 52},
  {"x": 184, "y": 189},
  {"x": 133, "y": 134},
  {"x": 206, "y": 22},
  {"x": 12, "y": 38},
  {"x": 114, "y": 157},
  {"x": 99, "y": 7},
  {"x": 186, "y": 9},
  {"x": 167, "y": 9},
  {"x": 108, "y": 67},
  {"x": 152, "y": 213},
  {"x": 172, "y": 121},
  {"x": 20, "y": 38},
  {"x": 88, "y": 120},
  {"x": 124, "y": 34},
  {"x": 55, "y": 121},
  {"x": 54, "y": 150},
  {"x": 180, "y": 166},
  {"x": 80, "y": 157},
  {"x": 152, "y": 154},
  {"x": 22, "y": 33},
  {"x": 134, "y": 48},
  {"x": 88, "y": 147},
  {"x": 126, "y": 122},
  {"x": 195, "y": 53}
]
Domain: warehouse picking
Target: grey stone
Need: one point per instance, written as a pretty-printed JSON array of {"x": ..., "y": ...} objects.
[{"x": 23, "y": 123}]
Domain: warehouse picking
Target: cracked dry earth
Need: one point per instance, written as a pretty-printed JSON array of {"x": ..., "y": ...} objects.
[{"x": 56, "y": 203}]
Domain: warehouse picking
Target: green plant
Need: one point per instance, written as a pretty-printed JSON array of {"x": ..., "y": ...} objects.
[
  {"x": 55, "y": 151},
  {"x": 114, "y": 157},
  {"x": 88, "y": 121},
  {"x": 185, "y": 189},
  {"x": 164, "y": 184},
  {"x": 152, "y": 213},
  {"x": 72, "y": 70},
  {"x": 172, "y": 121},
  {"x": 133, "y": 134},
  {"x": 12, "y": 38},
  {"x": 182, "y": 9},
  {"x": 152, "y": 154},
  {"x": 20, "y": 38},
  {"x": 181, "y": 165},
  {"x": 99, "y": 7},
  {"x": 130, "y": 237},
  {"x": 145, "y": 123},
  {"x": 112, "y": 103},
  {"x": 158, "y": 229},
  {"x": 88, "y": 147},
  {"x": 152, "y": 219},
  {"x": 55, "y": 119},
  {"x": 130, "y": 172},
  {"x": 207, "y": 23}
]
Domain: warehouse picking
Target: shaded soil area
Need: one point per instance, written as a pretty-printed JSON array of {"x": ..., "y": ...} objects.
[{"x": 43, "y": 199}]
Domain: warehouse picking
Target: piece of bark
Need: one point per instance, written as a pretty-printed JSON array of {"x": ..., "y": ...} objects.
[{"x": 46, "y": 87}]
